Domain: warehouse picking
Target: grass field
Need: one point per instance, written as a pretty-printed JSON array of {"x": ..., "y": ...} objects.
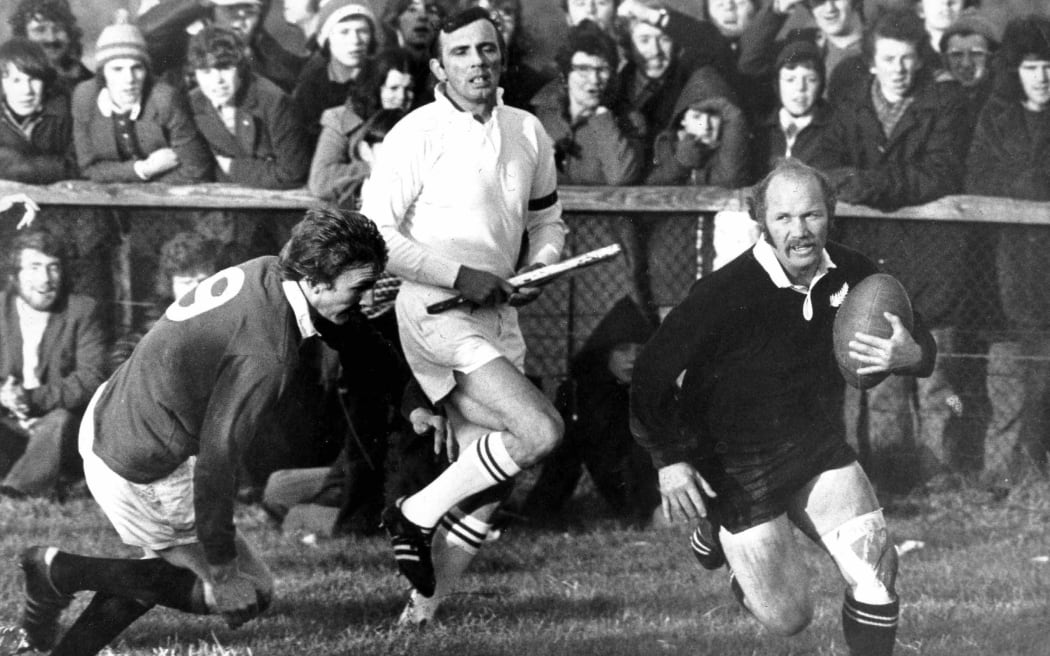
[{"x": 979, "y": 586}]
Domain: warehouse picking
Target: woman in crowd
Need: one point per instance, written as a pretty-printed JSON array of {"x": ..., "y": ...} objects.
[
  {"x": 342, "y": 70},
  {"x": 251, "y": 126},
  {"x": 36, "y": 129},
  {"x": 128, "y": 127},
  {"x": 337, "y": 170}
]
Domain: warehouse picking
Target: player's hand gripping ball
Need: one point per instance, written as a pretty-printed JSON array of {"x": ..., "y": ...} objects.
[{"x": 862, "y": 312}]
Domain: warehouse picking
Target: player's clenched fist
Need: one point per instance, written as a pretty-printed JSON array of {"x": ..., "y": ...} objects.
[{"x": 482, "y": 287}]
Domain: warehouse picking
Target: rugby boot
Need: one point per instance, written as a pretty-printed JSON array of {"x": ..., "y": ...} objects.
[
  {"x": 706, "y": 546},
  {"x": 411, "y": 544},
  {"x": 44, "y": 603}
]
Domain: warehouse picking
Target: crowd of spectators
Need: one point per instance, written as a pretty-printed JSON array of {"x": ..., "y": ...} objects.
[{"x": 900, "y": 102}]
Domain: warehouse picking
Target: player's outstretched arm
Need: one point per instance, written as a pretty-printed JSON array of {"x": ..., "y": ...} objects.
[
  {"x": 681, "y": 490},
  {"x": 899, "y": 352},
  {"x": 481, "y": 287}
]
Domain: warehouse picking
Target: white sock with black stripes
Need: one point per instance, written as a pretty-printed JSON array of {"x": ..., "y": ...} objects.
[{"x": 480, "y": 466}]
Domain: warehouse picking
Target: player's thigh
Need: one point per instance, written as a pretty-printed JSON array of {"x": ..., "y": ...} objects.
[
  {"x": 833, "y": 498},
  {"x": 769, "y": 568},
  {"x": 497, "y": 396}
]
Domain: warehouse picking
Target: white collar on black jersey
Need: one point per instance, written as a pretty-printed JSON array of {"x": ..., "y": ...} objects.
[
  {"x": 301, "y": 308},
  {"x": 767, "y": 259}
]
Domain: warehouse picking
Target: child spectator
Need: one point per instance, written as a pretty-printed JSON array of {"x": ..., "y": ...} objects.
[
  {"x": 338, "y": 170},
  {"x": 168, "y": 25},
  {"x": 128, "y": 127},
  {"x": 252, "y": 126},
  {"x": 793, "y": 130},
  {"x": 36, "y": 129},
  {"x": 51, "y": 24},
  {"x": 341, "y": 71},
  {"x": 706, "y": 144}
]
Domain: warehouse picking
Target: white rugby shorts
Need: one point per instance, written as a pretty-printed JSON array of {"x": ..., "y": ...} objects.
[
  {"x": 154, "y": 516},
  {"x": 461, "y": 339}
]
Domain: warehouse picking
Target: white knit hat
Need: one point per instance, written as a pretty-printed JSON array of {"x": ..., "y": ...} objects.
[
  {"x": 121, "y": 39},
  {"x": 334, "y": 11}
]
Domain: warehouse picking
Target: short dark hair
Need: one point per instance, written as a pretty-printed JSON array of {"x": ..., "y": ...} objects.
[
  {"x": 327, "y": 242},
  {"x": 1024, "y": 37},
  {"x": 756, "y": 200},
  {"x": 29, "y": 58},
  {"x": 393, "y": 59},
  {"x": 56, "y": 11},
  {"x": 218, "y": 47},
  {"x": 187, "y": 253},
  {"x": 463, "y": 18},
  {"x": 379, "y": 125},
  {"x": 587, "y": 38},
  {"x": 897, "y": 24},
  {"x": 37, "y": 239}
]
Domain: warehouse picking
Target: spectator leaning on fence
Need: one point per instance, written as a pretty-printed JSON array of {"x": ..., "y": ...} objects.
[
  {"x": 1010, "y": 156},
  {"x": 167, "y": 27},
  {"x": 52, "y": 358},
  {"x": 51, "y": 23},
  {"x": 252, "y": 127},
  {"x": 797, "y": 127},
  {"x": 894, "y": 141},
  {"x": 130, "y": 127},
  {"x": 338, "y": 169},
  {"x": 36, "y": 129}
]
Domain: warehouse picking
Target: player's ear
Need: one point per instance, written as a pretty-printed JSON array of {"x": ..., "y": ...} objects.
[{"x": 437, "y": 69}]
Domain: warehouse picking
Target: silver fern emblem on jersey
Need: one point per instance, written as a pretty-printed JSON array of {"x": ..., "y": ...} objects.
[{"x": 838, "y": 297}]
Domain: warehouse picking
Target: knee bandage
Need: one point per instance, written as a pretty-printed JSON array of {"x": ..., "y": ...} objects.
[{"x": 868, "y": 561}]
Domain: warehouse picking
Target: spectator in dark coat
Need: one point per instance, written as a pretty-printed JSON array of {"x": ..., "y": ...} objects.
[
  {"x": 797, "y": 127},
  {"x": 594, "y": 405},
  {"x": 52, "y": 358},
  {"x": 165, "y": 27},
  {"x": 36, "y": 129},
  {"x": 51, "y": 24},
  {"x": 342, "y": 71},
  {"x": 1010, "y": 156},
  {"x": 897, "y": 140},
  {"x": 128, "y": 127},
  {"x": 413, "y": 25},
  {"x": 252, "y": 127}
]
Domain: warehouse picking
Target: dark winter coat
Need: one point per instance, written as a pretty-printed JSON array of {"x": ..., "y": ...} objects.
[
  {"x": 1010, "y": 156},
  {"x": 270, "y": 149},
  {"x": 44, "y": 157},
  {"x": 921, "y": 161},
  {"x": 768, "y": 143}
]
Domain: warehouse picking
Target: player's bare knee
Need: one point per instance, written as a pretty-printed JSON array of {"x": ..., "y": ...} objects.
[
  {"x": 866, "y": 557},
  {"x": 548, "y": 431},
  {"x": 787, "y": 619}
]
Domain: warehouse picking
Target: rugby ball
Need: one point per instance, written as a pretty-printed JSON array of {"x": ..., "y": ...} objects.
[{"x": 861, "y": 312}]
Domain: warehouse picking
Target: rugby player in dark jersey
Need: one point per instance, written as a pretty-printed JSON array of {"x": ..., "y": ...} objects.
[
  {"x": 162, "y": 438},
  {"x": 738, "y": 398}
]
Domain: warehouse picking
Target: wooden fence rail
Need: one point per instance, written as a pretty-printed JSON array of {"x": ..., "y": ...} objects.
[{"x": 974, "y": 209}]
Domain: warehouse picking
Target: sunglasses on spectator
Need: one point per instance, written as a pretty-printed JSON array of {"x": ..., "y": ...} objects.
[{"x": 587, "y": 69}]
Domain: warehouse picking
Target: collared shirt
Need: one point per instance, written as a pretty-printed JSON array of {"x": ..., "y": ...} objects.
[
  {"x": 792, "y": 125},
  {"x": 767, "y": 258},
  {"x": 31, "y": 323},
  {"x": 228, "y": 115},
  {"x": 109, "y": 108},
  {"x": 24, "y": 124},
  {"x": 449, "y": 189},
  {"x": 300, "y": 307}
]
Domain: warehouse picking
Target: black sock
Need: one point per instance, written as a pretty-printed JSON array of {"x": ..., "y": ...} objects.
[
  {"x": 100, "y": 623},
  {"x": 151, "y": 581},
  {"x": 871, "y": 629}
]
